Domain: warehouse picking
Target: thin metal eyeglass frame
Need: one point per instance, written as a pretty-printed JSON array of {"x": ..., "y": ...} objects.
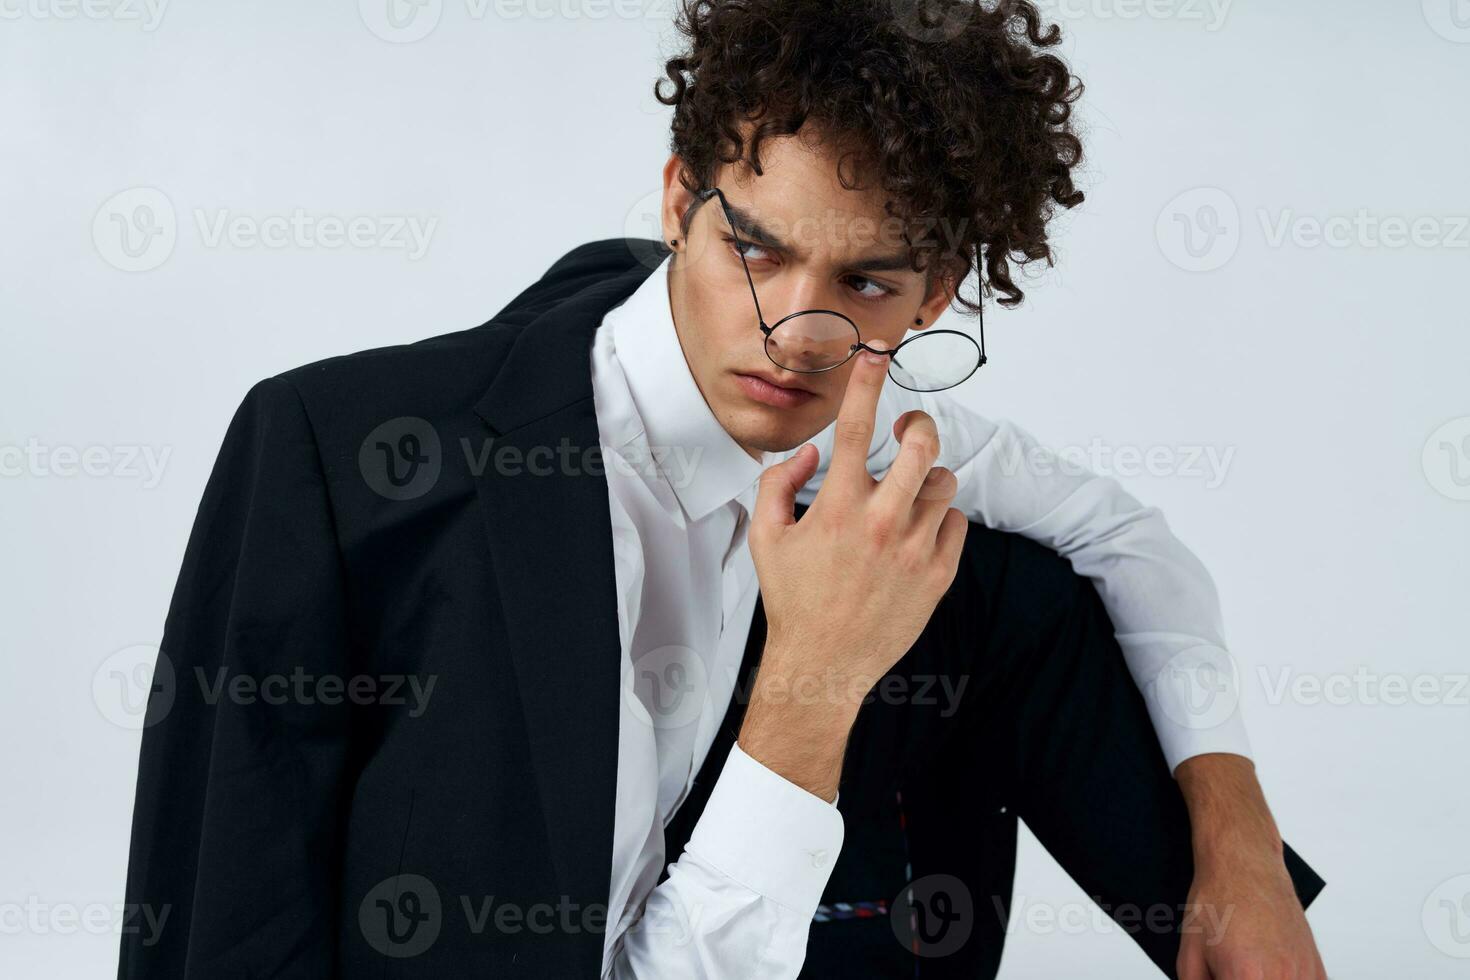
[{"x": 705, "y": 195}]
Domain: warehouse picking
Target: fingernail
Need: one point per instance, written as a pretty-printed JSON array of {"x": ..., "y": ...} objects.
[{"x": 876, "y": 358}]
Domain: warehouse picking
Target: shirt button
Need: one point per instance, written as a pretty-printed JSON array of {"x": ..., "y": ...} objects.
[{"x": 819, "y": 858}]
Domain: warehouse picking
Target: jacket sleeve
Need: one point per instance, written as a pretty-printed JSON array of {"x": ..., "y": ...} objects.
[
  {"x": 1161, "y": 599},
  {"x": 240, "y": 776}
]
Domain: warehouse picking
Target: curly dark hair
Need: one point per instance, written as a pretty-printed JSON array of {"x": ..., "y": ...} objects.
[{"x": 954, "y": 105}]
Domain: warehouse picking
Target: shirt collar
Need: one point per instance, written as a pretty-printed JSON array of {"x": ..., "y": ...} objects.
[{"x": 704, "y": 466}]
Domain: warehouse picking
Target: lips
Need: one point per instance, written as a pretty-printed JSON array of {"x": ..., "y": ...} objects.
[
  {"x": 789, "y": 385},
  {"x": 761, "y": 388}
]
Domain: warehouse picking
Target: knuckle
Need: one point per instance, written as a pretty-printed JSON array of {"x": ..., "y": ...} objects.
[
  {"x": 922, "y": 444},
  {"x": 912, "y": 417},
  {"x": 942, "y": 574},
  {"x": 882, "y": 526},
  {"x": 757, "y": 537},
  {"x": 910, "y": 482},
  {"x": 955, "y": 518},
  {"x": 834, "y": 517},
  {"x": 855, "y": 431},
  {"x": 939, "y": 484}
]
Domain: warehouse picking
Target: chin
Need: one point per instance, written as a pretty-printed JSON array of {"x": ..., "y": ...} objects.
[{"x": 773, "y": 430}]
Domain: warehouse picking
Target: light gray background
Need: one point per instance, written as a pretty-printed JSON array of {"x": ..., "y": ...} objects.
[{"x": 1328, "y": 380}]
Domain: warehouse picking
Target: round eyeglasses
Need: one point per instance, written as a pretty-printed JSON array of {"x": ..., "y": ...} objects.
[{"x": 813, "y": 341}]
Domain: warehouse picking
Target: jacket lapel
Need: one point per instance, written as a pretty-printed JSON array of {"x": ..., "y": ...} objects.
[{"x": 545, "y": 504}]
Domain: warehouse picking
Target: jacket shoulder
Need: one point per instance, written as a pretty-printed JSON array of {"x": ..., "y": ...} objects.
[
  {"x": 451, "y": 370},
  {"x": 583, "y": 266}
]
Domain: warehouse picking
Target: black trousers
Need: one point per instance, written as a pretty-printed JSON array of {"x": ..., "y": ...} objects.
[{"x": 1014, "y": 704}]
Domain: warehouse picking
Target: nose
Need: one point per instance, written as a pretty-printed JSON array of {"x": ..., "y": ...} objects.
[{"x": 795, "y": 292}]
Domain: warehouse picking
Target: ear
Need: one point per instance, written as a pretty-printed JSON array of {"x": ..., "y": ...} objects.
[
  {"x": 676, "y": 201},
  {"x": 941, "y": 294}
]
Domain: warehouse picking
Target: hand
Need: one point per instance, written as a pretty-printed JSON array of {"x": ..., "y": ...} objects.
[
  {"x": 1246, "y": 922},
  {"x": 1249, "y": 925},
  {"x": 849, "y": 588}
]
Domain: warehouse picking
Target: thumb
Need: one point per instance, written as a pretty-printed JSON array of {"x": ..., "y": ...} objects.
[{"x": 776, "y": 497}]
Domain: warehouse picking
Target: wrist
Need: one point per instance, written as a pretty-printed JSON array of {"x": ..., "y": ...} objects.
[
  {"x": 802, "y": 738},
  {"x": 802, "y": 682},
  {"x": 1229, "y": 819}
]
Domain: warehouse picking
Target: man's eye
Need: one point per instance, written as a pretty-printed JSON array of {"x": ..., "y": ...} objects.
[
  {"x": 750, "y": 250},
  {"x": 868, "y": 289}
]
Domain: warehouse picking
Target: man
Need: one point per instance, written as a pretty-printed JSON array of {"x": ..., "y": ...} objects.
[{"x": 669, "y": 712}]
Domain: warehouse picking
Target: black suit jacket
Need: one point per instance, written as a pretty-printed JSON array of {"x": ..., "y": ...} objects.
[{"x": 261, "y": 828}]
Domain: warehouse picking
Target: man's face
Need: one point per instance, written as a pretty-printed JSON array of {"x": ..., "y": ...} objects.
[{"x": 810, "y": 244}]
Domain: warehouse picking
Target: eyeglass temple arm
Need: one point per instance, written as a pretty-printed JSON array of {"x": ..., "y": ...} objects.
[
  {"x": 730, "y": 219},
  {"x": 981, "y": 306}
]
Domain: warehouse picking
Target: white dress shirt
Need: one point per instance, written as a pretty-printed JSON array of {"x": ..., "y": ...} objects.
[{"x": 740, "y": 899}]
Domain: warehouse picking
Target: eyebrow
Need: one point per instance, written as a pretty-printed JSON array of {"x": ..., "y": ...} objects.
[{"x": 750, "y": 230}]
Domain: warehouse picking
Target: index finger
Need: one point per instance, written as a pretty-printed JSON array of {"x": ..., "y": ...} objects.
[{"x": 852, "y": 434}]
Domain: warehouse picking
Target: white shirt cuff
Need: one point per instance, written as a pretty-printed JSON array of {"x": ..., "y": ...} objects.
[
  {"x": 1194, "y": 704},
  {"x": 769, "y": 834}
]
